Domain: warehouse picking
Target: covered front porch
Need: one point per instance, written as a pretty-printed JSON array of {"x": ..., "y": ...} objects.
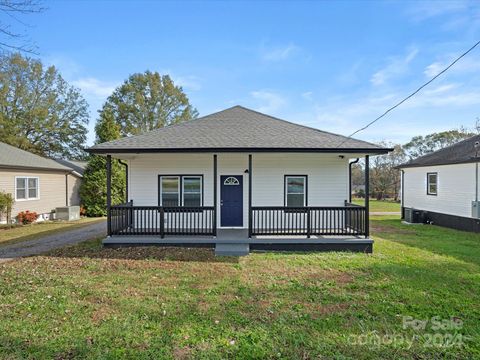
[{"x": 292, "y": 228}]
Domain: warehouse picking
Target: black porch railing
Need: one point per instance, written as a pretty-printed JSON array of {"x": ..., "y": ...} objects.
[
  {"x": 127, "y": 219},
  {"x": 280, "y": 220}
]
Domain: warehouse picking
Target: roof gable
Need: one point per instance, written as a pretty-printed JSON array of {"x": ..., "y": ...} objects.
[
  {"x": 461, "y": 152},
  {"x": 235, "y": 129},
  {"x": 13, "y": 157}
]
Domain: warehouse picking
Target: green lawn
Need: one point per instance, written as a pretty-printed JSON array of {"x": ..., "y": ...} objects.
[
  {"x": 380, "y": 205},
  {"x": 29, "y": 232},
  {"x": 89, "y": 302}
]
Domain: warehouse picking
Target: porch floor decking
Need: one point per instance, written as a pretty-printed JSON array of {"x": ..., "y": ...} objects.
[{"x": 237, "y": 237}]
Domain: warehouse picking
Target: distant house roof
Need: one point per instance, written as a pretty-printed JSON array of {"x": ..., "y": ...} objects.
[
  {"x": 461, "y": 152},
  {"x": 12, "y": 157},
  {"x": 237, "y": 129},
  {"x": 77, "y": 166}
]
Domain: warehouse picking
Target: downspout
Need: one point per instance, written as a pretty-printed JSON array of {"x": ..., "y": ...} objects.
[
  {"x": 66, "y": 189},
  {"x": 350, "y": 179},
  {"x": 403, "y": 193},
  {"x": 126, "y": 178},
  {"x": 476, "y": 172}
]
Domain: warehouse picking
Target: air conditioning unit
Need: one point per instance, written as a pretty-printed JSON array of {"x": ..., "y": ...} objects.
[
  {"x": 68, "y": 213},
  {"x": 408, "y": 215},
  {"x": 414, "y": 216}
]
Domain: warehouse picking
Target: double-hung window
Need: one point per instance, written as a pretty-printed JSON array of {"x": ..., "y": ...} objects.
[
  {"x": 180, "y": 190},
  {"x": 192, "y": 191},
  {"x": 432, "y": 183},
  {"x": 26, "y": 188},
  {"x": 295, "y": 190}
]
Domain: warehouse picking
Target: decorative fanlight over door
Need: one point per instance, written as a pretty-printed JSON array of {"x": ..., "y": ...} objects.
[{"x": 231, "y": 181}]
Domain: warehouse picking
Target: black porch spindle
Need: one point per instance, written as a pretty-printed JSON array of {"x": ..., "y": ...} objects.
[
  {"x": 214, "y": 219},
  {"x": 109, "y": 194},
  {"x": 367, "y": 196},
  {"x": 250, "y": 195}
]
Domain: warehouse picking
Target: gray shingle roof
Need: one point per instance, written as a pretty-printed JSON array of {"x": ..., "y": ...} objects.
[
  {"x": 78, "y": 166},
  {"x": 461, "y": 152},
  {"x": 235, "y": 129},
  {"x": 10, "y": 156}
]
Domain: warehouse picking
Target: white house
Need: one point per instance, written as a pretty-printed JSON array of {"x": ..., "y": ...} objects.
[
  {"x": 442, "y": 187},
  {"x": 241, "y": 177}
]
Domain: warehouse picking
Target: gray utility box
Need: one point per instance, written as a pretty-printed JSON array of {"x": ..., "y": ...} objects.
[
  {"x": 476, "y": 209},
  {"x": 67, "y": 213}
]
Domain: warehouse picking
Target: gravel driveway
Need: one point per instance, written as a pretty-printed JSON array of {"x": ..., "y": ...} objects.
[{"x": 45, "y": 243}]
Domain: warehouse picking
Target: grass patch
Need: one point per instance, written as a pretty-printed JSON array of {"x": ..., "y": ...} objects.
[
  {"x": 12, "y": 234},
  {"x": 152, "y": 302},
  {"x": 380, "y": 205}
]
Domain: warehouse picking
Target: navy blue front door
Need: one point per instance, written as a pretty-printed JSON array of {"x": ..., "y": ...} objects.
[{"x": 231, "y": 200}]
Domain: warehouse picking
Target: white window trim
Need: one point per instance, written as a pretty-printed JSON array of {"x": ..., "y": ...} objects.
[
  {"x": 304, "y": 188},
  {"x": 26, "y": 188},
  {"x": 161, "y": 187},
  {"x": 183, "y": 188},
  {"x": 436, "y": 183}
]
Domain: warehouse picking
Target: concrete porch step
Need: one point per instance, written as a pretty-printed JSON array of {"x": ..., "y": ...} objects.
[{"x": 232, "y": 249}]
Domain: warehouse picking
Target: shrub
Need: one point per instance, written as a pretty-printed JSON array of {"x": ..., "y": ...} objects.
[
  {"x": 6, "y": 204},
  {"x": 27, "y": 217}
]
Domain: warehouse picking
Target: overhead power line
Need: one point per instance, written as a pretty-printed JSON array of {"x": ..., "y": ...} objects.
[{"x": 411, "y": 95}]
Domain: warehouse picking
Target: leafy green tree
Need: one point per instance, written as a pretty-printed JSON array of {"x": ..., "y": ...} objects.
[
  {"x": 149, "y": 101},
  {"x": 93, "y": 190},
  {"x": 39, "y": 111},
  {"x": 422, "y": 145}
]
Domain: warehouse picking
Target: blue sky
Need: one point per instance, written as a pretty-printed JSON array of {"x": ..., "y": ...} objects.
[{"x": 331, "y": 65}]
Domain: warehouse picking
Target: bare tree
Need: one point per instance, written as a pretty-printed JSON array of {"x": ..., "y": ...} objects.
[
  {"x": 384, "y": 176},
  {"x": 14, "y": 10}
]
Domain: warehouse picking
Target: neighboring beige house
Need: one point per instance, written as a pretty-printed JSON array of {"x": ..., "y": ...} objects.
[{"x": 38, "y": 184}]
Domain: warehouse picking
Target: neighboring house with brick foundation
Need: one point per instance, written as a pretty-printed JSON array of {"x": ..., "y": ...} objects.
[{"x": 37, "y": 183}]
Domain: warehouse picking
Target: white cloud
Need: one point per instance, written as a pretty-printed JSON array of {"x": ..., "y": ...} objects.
[
  {"x": 397, "y": 66},
  {"x": 444, "y": 107},
  {"x": 95, "y": 87},
  {"x": 189, "y": 82},
  {"x": 268, "y": 101},
  {"x": 458, "y": 15},
  {"x": 351, "y": 75},
  {"x": 279, "y": 53},
  {"x": 307, "y": 95},
  {"x": 420, "y": 11},
  {"x": 465, "y": 65},
  {"x": 441, "y": 89}
]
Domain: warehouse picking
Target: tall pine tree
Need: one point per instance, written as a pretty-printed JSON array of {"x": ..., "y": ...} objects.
[{"x": 93, "y": 191}]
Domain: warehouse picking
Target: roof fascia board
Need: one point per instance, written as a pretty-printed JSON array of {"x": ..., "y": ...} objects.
[{"x": 243, "y": 150}]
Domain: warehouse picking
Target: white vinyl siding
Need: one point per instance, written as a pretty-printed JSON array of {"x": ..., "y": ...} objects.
[
  {"x": 455, "y": 189},
  {"x": 327, "y": 176}
]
